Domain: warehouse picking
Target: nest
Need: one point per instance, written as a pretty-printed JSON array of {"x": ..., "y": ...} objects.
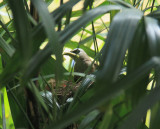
[{"x": 63, "y": 89}]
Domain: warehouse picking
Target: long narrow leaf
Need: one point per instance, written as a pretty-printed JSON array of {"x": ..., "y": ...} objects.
[
  {"x": 22, "y": 28},
  {"x": 153, "y": 35},
  {"x": 53, "y": 41},
  {"x": 138, "y": 113},
  {"x": 120, "y": 37},
  {"x": 6, "y": 47}
]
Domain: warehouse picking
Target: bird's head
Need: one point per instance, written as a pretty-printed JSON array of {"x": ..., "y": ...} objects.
[{"x": 77, "y": 53}]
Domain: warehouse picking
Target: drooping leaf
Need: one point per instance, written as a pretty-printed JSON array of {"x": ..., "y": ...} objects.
[{"x": 117, "y": 43}]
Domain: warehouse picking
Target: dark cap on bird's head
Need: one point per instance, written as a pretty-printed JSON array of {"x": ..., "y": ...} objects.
[{"x": 76, "y": 51}]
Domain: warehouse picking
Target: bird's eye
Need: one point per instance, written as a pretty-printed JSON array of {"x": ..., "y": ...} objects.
[{"x": 76, "y": 51}]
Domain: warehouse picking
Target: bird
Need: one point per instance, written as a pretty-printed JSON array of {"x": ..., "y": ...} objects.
[{"x": 83, "y": 62}]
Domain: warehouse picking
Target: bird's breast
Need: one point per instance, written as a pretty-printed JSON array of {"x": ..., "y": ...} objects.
[{"x": 82, "y": 65}]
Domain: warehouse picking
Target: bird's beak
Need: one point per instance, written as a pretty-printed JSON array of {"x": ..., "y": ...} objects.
[{"x": 72, "y": 55}]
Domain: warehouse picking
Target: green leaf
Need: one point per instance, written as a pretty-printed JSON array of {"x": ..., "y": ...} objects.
[
  {"x": 88, "y": 119},
  {"x": 153, "y": 31},
  {"x": 11, "y": 69},
  {"x": 122, "y": 3},
  {"x": 6, "y": 47},
  {"x": 53, "y": 44},
  {"x": 138, "y": 113},
  {"x": 22, "y": 28},
  {"x": 153, "y": 36},
  {"x": 120, "y": 37},
  {"x": 107, "y": 117},
  {"x": 38, "y": 33},
  {"x": 135, "y": 60},
  {"x": 7, "y": 31},
  {"x": 6, "y": 112},
  {"x": 155, "y": 114}
]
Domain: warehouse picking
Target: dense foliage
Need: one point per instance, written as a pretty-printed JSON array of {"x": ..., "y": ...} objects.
[{"x": 123, "y": 37}]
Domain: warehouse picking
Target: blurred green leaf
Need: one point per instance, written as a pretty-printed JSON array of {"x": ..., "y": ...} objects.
[
  {"x": 154, "y": 123},
  {"x": 53, "y": 42},
  {"x": 135, "y": 60},
  {"x": 88, "y": 119},
  {"x": 119, "y": 39},
  {"x": 22, "y": 28},
  {"x": 122, "y": 3},
  {"x": 6, "y": 115},
  {"x": 6, "y": 47},
  {"x": 138, "y": 113}
]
